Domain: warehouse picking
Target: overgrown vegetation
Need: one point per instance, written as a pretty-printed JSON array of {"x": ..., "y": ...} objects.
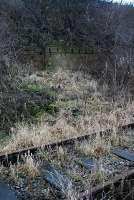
[{"x": 85, "y": 87}]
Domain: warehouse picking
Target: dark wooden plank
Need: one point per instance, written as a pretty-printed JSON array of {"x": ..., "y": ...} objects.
[
  {"x": 124, "y": 153},
  {"x": 56, "y": 178},
  {"x": 6, "y": 193},
  {"x": 86, "y": 163}
]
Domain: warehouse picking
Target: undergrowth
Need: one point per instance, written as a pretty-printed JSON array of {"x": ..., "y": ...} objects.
[{"x": 77, "y": 107}]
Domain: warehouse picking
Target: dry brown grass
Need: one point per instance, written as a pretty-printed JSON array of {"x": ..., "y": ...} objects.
[
  {"x": 96, "y": 148},
  {"x": 74, "y": 91},
  {"x": 29, "y": 167},
  {"x": 100, "y": 146}
]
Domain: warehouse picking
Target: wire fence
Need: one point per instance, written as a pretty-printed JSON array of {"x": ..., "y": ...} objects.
[
  {"x": 55, "y": 50},
  {"x": 75, "y": 50}
]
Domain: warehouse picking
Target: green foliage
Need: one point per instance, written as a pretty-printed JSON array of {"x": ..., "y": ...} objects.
[
  {"x": 71, "y": 105},
  {"x": 37, "y": 87},
  {"x": 29, "y": 104},
  {"x": 33, "y": 87},
  {"x": 36, "y": 110}
]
